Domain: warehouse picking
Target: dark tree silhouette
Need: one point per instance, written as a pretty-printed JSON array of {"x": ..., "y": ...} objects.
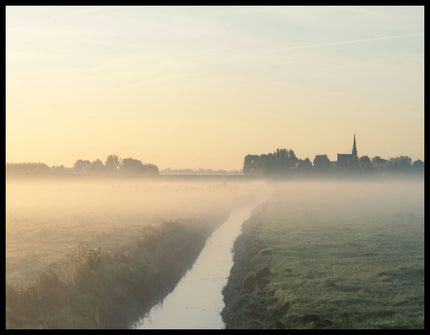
[
  {"x": 352, "y": 163},
  {"x": 112, "y": 163},
  {"x": 249, "y": 164},
  {"x": 58, "y": 168},
  {"x": 150, "y": 169},
  {"x": 293, "y": 160},
  {"x": 400, "y": 164},
  {"x": 131, "y": 166},
  {"x": 82, "y": 165},
  {"x": 304, "y": 165},
  {"x": 27, "y": 168},
  {"x": 322, "y": 162},
  {"x": 280, "y": 161},
  {"x": 264, "y": 164},
  {"x": 379, "y": 163},
  {"x": 418, "y": 166},
  {"x": 365, "y": 163},
  {"x": 283, "y": 161},
  {"x": 97, "y": 166}
]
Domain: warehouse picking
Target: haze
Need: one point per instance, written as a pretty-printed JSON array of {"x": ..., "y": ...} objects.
[
  {"x": 284, "y": 144},
  {"x": 47, "y": 219},
  {"x": 202, "y": 87}
]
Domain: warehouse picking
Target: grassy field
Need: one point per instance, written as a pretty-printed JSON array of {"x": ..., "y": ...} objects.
[
  {"x": 98, "y": 289},
  {"x": 331, "y": 255},
  {"x": 97, "y": 254},
  {"x": 47, "y": 219}
]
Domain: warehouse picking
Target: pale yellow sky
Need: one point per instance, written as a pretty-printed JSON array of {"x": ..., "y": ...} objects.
[{"x": 194, "y": 87}]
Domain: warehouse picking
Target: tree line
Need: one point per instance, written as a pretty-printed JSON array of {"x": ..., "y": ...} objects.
[
  {"x": 112, "y": 166},
  {"x": 283, "y": 161},
  {"x": 280, "y": 162}
]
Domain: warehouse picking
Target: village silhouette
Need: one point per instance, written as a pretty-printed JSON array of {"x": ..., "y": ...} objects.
[
  {"x": 279, "y": 163},
  {"x": 284, "y": 161}
]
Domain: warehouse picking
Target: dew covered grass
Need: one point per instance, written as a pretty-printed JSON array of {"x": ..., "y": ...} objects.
[
  {"x": 341, "y": 255},
  {"x": 46, "y": 219},
  {"x": 98, "y": 254}
]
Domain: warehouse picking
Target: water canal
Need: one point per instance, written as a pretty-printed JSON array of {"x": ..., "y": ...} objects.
[{"x": 197, "y": 300}]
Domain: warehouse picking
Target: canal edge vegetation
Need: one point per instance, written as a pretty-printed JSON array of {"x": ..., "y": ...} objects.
[
  {"x": 98, "y": 289},
  {"x": 279, "y": 282}
]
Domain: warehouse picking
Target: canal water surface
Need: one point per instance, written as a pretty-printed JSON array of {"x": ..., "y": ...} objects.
[{"x": 197, "y": 300}]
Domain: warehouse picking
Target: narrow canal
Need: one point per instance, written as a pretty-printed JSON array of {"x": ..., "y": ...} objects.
[{"x": 197, "y": 300}]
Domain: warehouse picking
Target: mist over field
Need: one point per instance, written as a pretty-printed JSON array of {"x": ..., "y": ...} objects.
[
  {"x": 46, "y": 219},
  {"x": 383, "y": 196},
  {"x": 211, "y": 167},
  {"x": 331, "y": 254},
  {"x": 51, "y": 221}
]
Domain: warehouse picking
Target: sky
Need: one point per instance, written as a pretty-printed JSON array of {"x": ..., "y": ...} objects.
[{"x": 202, "y": 87}]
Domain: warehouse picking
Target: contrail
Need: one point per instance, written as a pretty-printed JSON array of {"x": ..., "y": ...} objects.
[{"x": 317, "y": 45}]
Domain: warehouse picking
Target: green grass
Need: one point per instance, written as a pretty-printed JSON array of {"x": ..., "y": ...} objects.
[
  {"x": 47, "y": 219},
  {"x": 343, "y": 268},
  {"x": 96, "y": 289},
  {"x": 149, "y": 232}
]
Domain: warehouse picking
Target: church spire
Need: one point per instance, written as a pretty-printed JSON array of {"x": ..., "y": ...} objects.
[{"x": 354, "y": 148}]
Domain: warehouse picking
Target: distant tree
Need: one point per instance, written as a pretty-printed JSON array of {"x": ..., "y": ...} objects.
[
  {"x": 418, "y": 166},
  {"x": 97, "y": 166},
  {"x": 150, "y": 169},
  {"x": 42, "y": 168},
  {"x": 379, "y": 163},
  {"x": 112, "y": 163},
  {"x": 249, "y": 164},
  {"x": 352, "y": 163},
  {"x": 81, "y": 165},
  {"x": 265, "y": 164},
  {"x": 134, "y": 166},
  {"x": 400, "y": 163},
  {"x": 405, "y": 163},
  {"x": 261, "y": 164},
  {"x": 292, "y": 160},
  {"x": 321, "y": 162},
  {"x": 365, "y": 162},
  {"x": 27, "y": 168},
  {"x": 281, "y": 161},
  {"x": 58, "y": 169},
  {"x": 304, "y": 165},
  {"x": 78, "y": 165},
  {"x": 131, "y": 166}
]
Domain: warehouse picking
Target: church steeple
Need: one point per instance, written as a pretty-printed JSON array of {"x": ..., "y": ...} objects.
[{"x": 354, "y": 148}]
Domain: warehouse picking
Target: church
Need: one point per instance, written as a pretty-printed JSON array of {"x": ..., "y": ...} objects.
[{"x": 342, "y": 159}]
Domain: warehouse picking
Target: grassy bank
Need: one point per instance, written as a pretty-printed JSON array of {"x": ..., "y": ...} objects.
[
  {"x": 46, "y": 220},
  {"x": 344, "y": 256},
  {"x": 99, "y": 289},
  {"x": 138, "y": 237}
]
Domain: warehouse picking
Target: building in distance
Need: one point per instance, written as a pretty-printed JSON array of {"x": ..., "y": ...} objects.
[{"x": 343, "y": 159}]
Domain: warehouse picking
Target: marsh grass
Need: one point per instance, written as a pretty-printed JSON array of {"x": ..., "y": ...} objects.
[
  {"x": 47, "y": 219},
  {"x": 95, "y": 289},
  {"x": 98, "y": 254},
  {"x": 336, "y": 268}
]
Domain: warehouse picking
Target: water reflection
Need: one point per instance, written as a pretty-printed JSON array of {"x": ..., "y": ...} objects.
[{"x": 197, "y": 300}]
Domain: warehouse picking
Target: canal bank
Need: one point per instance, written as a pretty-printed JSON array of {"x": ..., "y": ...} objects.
[
  {"x": 98, "y": 289},
  {"x": 342, "y": 255},
  {"x": 197, "y": 300}
]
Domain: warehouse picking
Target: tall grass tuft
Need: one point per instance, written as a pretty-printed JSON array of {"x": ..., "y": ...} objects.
[{"x": 97, "y": 289}]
